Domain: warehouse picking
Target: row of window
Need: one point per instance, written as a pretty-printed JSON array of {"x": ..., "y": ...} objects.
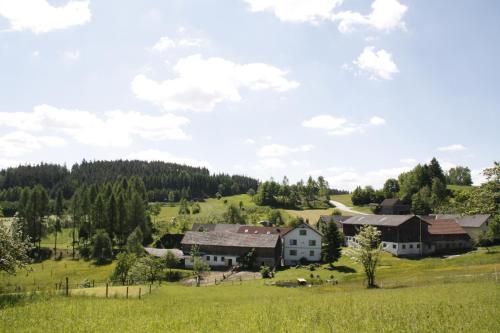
[
  {"x": 312, "y": 242},
  {"x": 222, "y": 259},
  {"x": 403, "y": 246},
  {"x": 294, "y": 253}
]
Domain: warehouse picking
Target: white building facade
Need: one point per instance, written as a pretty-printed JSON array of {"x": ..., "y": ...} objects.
[{"x": 302, "y": 243}]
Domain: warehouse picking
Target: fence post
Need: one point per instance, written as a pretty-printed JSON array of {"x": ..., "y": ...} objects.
[
  {"x": 139, "y": 293},
  {"x": 150, "y": 288},
  {"x": 67, "y": 286},
  {"x": 127, "y": 292},
  {"x": 106, "y": 290}
]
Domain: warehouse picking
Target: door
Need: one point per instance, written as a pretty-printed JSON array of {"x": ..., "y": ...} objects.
[{"x": 230, "y": 262}]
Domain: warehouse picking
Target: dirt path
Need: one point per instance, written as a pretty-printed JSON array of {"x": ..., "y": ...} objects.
[{"x": 345, "y": 208}]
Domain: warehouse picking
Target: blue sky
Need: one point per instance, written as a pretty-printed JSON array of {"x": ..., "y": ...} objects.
[{"x": 357, "y": 91}]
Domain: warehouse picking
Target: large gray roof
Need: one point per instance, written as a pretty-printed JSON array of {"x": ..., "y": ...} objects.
[
  {"x": 471, "y": 221},
  {"x": 224, "y": 238},
  {"x": 380, "y": 220}
]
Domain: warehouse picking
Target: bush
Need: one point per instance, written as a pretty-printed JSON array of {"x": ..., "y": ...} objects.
[
  {"x": 266, "y": 272},
  {"x": 303, "y": 261},
  {"x": 312, "y": 267}
]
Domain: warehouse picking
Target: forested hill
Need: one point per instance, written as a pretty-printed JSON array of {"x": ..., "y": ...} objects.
[{"x": 163, "y": 180}]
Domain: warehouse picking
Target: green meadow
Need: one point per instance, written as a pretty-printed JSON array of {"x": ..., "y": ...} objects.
[{"x": 455, "y": 294}]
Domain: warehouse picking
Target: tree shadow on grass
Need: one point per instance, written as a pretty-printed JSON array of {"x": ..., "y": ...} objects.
[
  {"x": 343, "y": 269},
  {"x": 12, "y": 300}
]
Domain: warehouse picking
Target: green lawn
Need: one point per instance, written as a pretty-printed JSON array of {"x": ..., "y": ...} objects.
[
  {"x": 453, "y": 307},
  {"x": 457, "y": 294}
]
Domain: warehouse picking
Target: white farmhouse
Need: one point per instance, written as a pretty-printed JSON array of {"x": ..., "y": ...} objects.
[{"x": 302, "y": 242}]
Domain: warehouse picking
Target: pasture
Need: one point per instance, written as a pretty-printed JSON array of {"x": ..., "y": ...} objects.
[{"x": 455, "y": 294}]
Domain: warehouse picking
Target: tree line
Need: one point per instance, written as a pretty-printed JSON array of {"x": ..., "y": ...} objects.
[
  {"x": 311, "y": 194},
  {"x": 163, "y": 181}
]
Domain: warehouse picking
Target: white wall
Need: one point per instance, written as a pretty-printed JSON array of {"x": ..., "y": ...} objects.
[
  {"x": 210, "y": 260},
  {"x": 398, "y": 249},
  {"x": 302, "y": 247}
]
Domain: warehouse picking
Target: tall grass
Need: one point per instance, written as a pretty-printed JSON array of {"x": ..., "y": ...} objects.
[{"x": 457, "y": 307}]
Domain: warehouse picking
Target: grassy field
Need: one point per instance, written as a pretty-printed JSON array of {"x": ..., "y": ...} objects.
[
  {"x": 456, "y": 294},
  {"x": 453, "y": 307},
  {"x": 346, "y": 200},
  {"x": 214, "y": 207}
]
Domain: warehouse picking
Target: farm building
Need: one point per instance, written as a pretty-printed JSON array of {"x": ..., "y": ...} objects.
[
  {"x": 447, "y": 235},
  {"x": 337, "y": 219},
  {"x": 412, "y": 235},
  {"x": 302, "y": 243},
  {"x": 394, "y": 207},
  {"x": 401, "y": 235},
  {"x": 224, "y": 248},
  {"x": 474, "y": 225}
]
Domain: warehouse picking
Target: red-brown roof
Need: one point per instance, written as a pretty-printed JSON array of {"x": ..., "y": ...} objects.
[
  {"x": 247, "y": 229},
  {"x": 446, "y": 227}
]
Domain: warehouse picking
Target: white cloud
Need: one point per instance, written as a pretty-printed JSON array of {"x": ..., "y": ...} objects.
[
  {"x": 386, "y": 15},
  {"x": 312, "y": 11},
  {"x": 113, "y": 128},
  {"x": 455, "y": 147},
  {"x": 7, "y": 162},
  {"x": 249, "y": 141},
  {"x": 410, "y": 161},
  {"x": 340, "y": 126},
  {"x": 40, "y": 16},
  {"x": 378, "y": 64},
  {"x": 478, "y": 177},
  {"x": 19, "y": 143},
  {"x": 276, "y": 150},
  {"x": 203, "y": 83},
  {"x": 350, "y": 178},
  {"x": 377, "y": 121},
  {"x": 71, "y": 55},
  {"x": 165, "y": 43},
  {"x": 158, "y": 155},
  {"x": 269, "y": 163}
]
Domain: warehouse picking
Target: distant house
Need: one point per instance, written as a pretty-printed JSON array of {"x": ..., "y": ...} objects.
[
  {"x": 401, "y": 235},
  {"x": 394, "y": 207},
  {"x": 474, "y": 225},
  {"x": 326, "y": 219},
  {"x": 302, "y": 243},
  {"x": 224, "y": 248}
]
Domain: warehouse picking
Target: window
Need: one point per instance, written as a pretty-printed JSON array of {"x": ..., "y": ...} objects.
[
  {"x": 311, "y": 253},
  {"x": 312, "y": 242},
  {"x": 411, "y": 246},
  {"x": 404, "y": 246},
  {"x": 215, "y": 258},
  {"x": 302, "y": 232},
  {"x": 293, "y": 242},
  {"x": 418, "y": 246},
  {"x": 394, "y": 246},
  {"x": 222, "y": 259},
  {"x": 293, "y": 252},
  {"x": 208, "y": 258},
  {"x": 384, "y": 244}
]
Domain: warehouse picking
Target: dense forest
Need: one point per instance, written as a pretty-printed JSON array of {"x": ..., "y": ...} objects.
[{"x": 163, "y": 181}]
